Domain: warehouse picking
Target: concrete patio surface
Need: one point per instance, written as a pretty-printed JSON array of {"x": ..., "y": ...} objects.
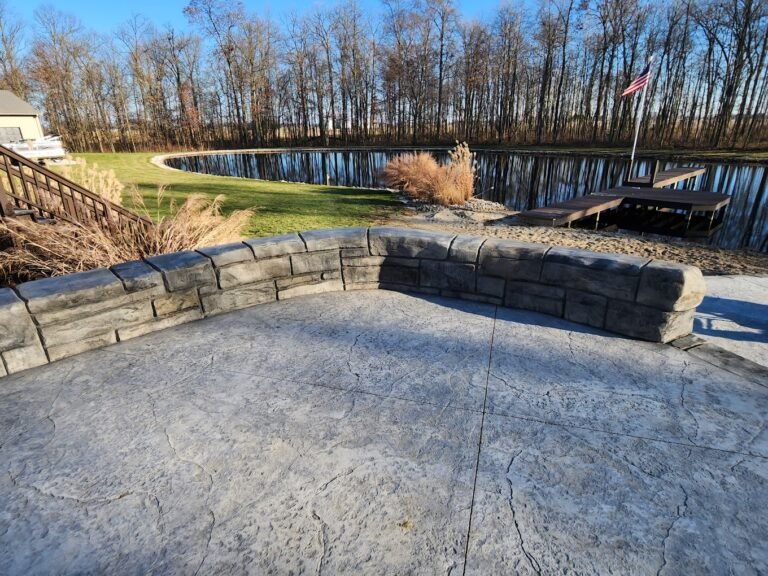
[{"x": 383, "y": 433}]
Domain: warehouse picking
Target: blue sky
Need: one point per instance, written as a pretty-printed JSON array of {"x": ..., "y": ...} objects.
[{"x": 104, "y": 16}]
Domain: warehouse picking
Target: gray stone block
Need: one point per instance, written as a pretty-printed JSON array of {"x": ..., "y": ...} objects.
[
  {"x": 87, "y": 310},
  {"x": 227, "y": 254},
  {"x": 585, "y": 308},
  {"x": 513, "y": 260},
  {"x": 617, "y": 263},
  {"x": 395, "y": 287},
  {"x": 551, "y": 306},
  {"x": 485, "y": 299},
  {"x": 96, "y": 324},
  {"x": 672, "y": 287},
  {"x": 183, "y": 270},
  {"x": 70, "y": 290},
  {"x": 448, "y": 275},
  {"x": 490, "y": 286},
  {"x": 647, "y": 323},
  {"x": 159, "y": 324},
  {"x": 237, "y": 298},
  {"x": 16, "y": 327},
  {"x": 409, "y": 243},
  {"x": 24, "y": 358},
  {"x": 512, "y": 269},
  {"x": 315, "y": 262},
  {"x": 466, "y": 248},
  {"x": 335, "y": 238},
  {"x": 355, "y": 252},
  {"x": 329, "y": 286},
  {"x": 137, "y": 275},
  {"x": 604, "y": 282},
  {"x": 311, "y": 278},
  {"x": 377, "y": 274},
  {"x": 80, "y": 346},
  {"x": 255, "y": 271},
  {"x": 380, "y": 261},
  {"x": 536, "y": 289},
  {"x": 176, "y": 302},
  {"x": 274, "y": 246}
]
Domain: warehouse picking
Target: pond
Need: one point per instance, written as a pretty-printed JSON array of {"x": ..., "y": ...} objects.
[{"x": 519, "y": 180}]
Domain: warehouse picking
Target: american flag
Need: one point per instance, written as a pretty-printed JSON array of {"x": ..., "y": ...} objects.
[{"x": 639, "y": 82}]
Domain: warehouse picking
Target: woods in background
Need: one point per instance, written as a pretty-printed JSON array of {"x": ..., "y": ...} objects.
[{"x": 417, "y": 74}]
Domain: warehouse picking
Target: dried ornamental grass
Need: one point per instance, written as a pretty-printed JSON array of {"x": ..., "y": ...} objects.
[
  {"x": 102, "y": 182},
  {"x": 42, "y": 250},
  {"x": 420, "y": 176}
]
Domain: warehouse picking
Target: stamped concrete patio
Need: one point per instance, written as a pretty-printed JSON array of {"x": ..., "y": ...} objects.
[{"x": 382, "y": 433}]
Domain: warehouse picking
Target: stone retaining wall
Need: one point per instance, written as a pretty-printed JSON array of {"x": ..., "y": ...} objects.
[{"x": 49, "y": 319}]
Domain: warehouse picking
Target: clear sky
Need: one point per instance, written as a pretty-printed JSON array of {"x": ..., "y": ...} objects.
[{"x": 105, "y": 15}]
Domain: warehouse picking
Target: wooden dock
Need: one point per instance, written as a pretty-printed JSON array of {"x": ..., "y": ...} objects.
[
  {"x": 571, "y": 210},
  {"x": 665, "y": 177},
  {"x": 648, "y": 209}
]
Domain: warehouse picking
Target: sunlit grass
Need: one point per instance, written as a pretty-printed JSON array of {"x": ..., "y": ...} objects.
[{"x": 279, "y": 207}]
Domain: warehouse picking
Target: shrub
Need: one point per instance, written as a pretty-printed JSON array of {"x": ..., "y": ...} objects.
[
  {"x": 42, "y": 250},
  {"x": 420, "y": 176}
]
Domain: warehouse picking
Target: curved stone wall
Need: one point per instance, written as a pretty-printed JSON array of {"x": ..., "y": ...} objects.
[{"x": 49, "y": 319}]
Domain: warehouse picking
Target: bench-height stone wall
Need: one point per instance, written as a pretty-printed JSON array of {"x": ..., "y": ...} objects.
[{"x": 49, "y": 319}]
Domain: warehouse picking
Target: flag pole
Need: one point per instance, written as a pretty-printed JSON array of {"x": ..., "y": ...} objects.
[{"x": 638, "y": 121}]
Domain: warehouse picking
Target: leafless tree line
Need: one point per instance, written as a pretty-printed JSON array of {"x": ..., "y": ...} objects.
[{"x": 418, "y": 74}]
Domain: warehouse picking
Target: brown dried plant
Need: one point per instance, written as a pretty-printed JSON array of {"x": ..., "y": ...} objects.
[
  {"x": 421, "y": 177},
  {"x": 42, "y": 250},
  {"x": 102, "y": 182}
]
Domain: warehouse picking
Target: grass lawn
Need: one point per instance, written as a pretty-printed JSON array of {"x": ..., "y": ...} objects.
[{"x": 280, "y": 207}]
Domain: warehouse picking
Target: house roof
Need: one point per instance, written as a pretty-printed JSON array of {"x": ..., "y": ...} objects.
[{"x": 12, "y": 105}]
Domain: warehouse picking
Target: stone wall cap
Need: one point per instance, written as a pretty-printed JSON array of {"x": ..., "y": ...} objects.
[
  {"x": 466, "y": 248},
  {"x": 271, "y": 246},
  {"x": 177, "y": 260},
  {"x": 70, "y": 290},
  {"x": 225, "y": 254},
  {"x": 332, "y": 238},
  {"x": 515, "y": 249},
  {"x": 597, "y": 260},
  {"x": 392, "y": 231},
  {"x": 137, "y": 275},
  {"x": 9, "y": 298},
  {"x": 410, "y": 243}
]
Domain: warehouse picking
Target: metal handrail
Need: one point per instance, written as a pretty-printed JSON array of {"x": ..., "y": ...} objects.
[{"x": 31, "y": 186}]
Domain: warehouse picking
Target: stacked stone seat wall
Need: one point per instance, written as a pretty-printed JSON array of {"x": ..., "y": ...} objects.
[{"x": 46, "y": 320}]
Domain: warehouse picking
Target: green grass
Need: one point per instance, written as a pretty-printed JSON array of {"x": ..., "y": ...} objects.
[{"x": 280, "y": 207}]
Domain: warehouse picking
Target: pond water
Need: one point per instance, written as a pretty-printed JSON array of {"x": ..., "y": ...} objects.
[{"x": 521, "y": 181}]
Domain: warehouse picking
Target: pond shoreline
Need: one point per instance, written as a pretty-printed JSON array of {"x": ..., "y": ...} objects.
[{"x": 759, "y": 157}]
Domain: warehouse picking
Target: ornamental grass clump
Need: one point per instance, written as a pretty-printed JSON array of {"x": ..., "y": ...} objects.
[
  {"x": 420, "y": 176},
  {"x": 103, "y": 182},
  {"x": 41, "y": 250}
]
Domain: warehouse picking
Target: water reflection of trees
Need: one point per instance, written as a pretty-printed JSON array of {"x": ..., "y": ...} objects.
[{"x": 520, "y": 181}]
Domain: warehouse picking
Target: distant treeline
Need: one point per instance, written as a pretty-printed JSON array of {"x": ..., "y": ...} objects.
[{"x": 418, "y": 73}]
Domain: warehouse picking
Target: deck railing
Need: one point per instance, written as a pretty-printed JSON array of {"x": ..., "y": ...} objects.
[{"x": 29, "y": 189}]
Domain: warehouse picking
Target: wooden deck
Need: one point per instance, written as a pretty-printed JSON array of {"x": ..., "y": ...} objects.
[
  {"x": 680, "y": 199},
  {"x": 571, "y": 210},
  {"x": 677, "y": 212},
  {"x": 665, "y": 177}
]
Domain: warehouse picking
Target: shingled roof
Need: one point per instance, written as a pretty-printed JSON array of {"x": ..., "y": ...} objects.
[{"x": 12, "y": 105}]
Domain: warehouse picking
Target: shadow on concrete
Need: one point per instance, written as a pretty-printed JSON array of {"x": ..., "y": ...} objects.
[{"x": 732, "y": 319}]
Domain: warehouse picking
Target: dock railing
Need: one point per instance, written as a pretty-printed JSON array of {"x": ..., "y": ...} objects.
[{"x": 28, "y": 189}]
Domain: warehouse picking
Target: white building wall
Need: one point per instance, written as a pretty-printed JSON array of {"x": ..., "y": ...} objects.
[{"x": 29, "y": 125}]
